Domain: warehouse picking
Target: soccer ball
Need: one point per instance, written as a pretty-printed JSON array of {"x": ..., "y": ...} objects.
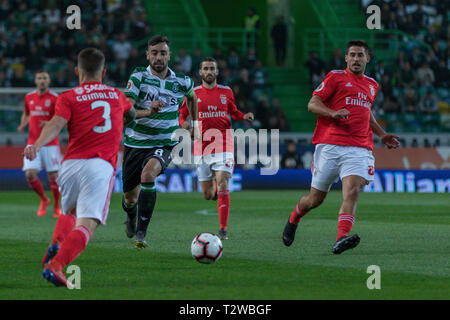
[{"x": 206, "y": 248}]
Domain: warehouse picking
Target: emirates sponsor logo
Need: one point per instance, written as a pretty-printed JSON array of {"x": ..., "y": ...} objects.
[
  {"x": 212, "y": 114},
  {"x": 360, "y": 101}
]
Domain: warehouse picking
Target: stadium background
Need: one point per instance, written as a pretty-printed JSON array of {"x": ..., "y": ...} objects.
[{"x": 410, "y": 60}]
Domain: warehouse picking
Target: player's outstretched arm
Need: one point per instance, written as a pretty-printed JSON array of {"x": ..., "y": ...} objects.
[
  {"x": 316, "y": 106},
  {"x": 191, "y": 102},
  {"x": 23, "y": 122},
  {"x": 129, "y": 116},
  {"x": 154, "y": 108},
  {"x": 49, "y": 132},
  {"x": 389, "y": 140}
]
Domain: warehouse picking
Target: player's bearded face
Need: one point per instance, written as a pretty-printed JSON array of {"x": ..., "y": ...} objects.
[
  {"x": 356, "y": 59},
  {"x": 42, "y": 80},
  {"x": 209, "y": 72},
  {"x": 158, "y": 56}
]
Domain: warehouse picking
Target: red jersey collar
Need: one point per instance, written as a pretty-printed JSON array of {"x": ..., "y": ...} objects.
[
  {"x": 209, "y": 88},
  {"x": 353, "y": 75}
]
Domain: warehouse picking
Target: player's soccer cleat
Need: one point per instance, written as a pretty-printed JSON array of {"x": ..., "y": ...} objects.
[
  {"x": 43, "y": 207},
  {"x": 289, "y": 233},
  {"x": 130, "y": 227},
  {"x": 223, "y": 234},
  {"x": 57, "y": 212},
  {"x": 52, "y": 250},
  {"x": 345, "y": 243},
  {"x": 55, "y": 276},
  {"x": 139, "y": 241}
]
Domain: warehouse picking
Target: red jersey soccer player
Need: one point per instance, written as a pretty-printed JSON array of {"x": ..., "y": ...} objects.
[
  {"x": 39, "y": 109},
  {"x": 94, "y": 115},
  {"x": 344, "y": 143},
  {"x": 215, "y": 156}
]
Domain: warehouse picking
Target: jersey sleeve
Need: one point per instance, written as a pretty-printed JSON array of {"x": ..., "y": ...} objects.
[
  {"x": 327, "y": 88},
  {"x": 134, "y": 85},
  {"x": 184, "y": 113},
  {"x": 189, "y": 86},
  {"x": 26, "y": 107},
  {"x": 63, "y": 108},
  {"x": 124, "y": 102},
  {"x": 232, "y": 108}
]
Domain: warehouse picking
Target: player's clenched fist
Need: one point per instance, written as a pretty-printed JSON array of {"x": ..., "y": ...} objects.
[
  {"x": 30, "y": 152},
  {"x": 249, "y": 116},
  {"x": 340, "y": 114},
  {"x": 156, "y": 106}
]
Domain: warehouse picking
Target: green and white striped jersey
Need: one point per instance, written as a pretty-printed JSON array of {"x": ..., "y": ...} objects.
[{"x": 144, "y": 87}]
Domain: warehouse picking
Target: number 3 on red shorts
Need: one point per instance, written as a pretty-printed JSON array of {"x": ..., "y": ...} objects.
[{"x": 371, "y": 170}]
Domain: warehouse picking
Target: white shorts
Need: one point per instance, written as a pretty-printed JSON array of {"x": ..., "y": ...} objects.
[
  {"x": 86, "y": 184},
  {"x": 48, "y": 157},
  {"x": 331, "y": 162},
  {"x": 207, "y": 165}
]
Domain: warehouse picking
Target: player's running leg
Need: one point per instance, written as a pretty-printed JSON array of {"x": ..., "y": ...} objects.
[
  {"x": 71, "y": 247},
  {"x": 36, "y": 185},
  {"x": 223, "y": 203},
  {"x": 351, "y": 187},
  {"x": 52, "y": 176},
  {"x": 129, "y": 205},
  {"x": 308, "y": 202},
  {"x": 63, "y": 226},
  {"x": 146, "y": 200}
]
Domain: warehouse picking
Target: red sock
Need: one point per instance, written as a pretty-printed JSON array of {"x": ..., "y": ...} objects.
[
  {"x": 345, "y": 224},
  {"x": 223, "y": 205},
  {"x": 55, "y": 192},
  {"x": 72, "y": 246},
  {"x": 36, "y": 184},
  {"x": 64, "y": 225},
  {"x": 297, "y": 214}
]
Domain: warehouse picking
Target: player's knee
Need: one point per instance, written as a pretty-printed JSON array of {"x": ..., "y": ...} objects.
[
  {"x": 208, "y": 194},
  {"x": 53, "y": 175},
  {"x": 130, "y": 199},
  {"x": 30, "y": 175}
]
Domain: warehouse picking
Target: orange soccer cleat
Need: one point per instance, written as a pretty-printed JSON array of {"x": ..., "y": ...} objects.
[
  {"x": 54, "y": 274},
  {"x": 57, "y": 212},
  {"x": 43, "y": 207}
]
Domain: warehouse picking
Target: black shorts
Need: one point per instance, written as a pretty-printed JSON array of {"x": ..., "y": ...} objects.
[{"x": 135, "y": 159}]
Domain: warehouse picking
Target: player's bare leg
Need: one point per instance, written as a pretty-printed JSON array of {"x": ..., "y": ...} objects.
[
  {"x": 308, "y": 202},
  {"x": 71, "y": 247},
  {"x": 223, "y": 203},
  {"x": 208, "y": 189},
  {"x": 351, "y": 187},
  {"x": 52, "y": 176},
  {"x": 35, "y": 183},
  {"x": 129, "y": 205},
  {"x": 146, "y": 200}
]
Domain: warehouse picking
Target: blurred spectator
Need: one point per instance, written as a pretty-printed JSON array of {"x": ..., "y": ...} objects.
[
  {"x": 416, "y": 58},
  {"x": 20, "y": 79},
  {"x": 59, "y": 80},
  {"x": 258, "y": 76},
  {"x": 442, "y": 75},
  {"x": 390, "y": 104},
  {"x": 386, "y": 86},
  {"x": 185, "y": 61},
  {"x": 250, "y": 59},
  {"x": 316, "y": 68},
  {"x": 233, "y": 60},
  {"x": 337, "y": 61},
  {"x": 279, "y": 38},
  {"x": 219, "y": 56},
  {"x": 429, "y": 103},
  {"x": 407, "y": 76},
  {"x": 410, "y": 101},
  {"x": 122, "y": 47},
  {"x": 291, "y": 159},
  {"x": 197, "y": 58},
  {"x": 252, "y": 25},
  {"x": 425, "y": 76},
  {"x": 244, "y": 84}
]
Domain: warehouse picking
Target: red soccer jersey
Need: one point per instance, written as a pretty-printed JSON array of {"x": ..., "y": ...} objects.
[
  {"x": 342, "y": 89},
  {"x": 94, "y": 112},
  {"x": 214, "y": 106},
  {"x": 40, "y": 108}
]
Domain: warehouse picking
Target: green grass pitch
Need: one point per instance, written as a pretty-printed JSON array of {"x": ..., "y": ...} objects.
[{"x": 406, "y": 235}]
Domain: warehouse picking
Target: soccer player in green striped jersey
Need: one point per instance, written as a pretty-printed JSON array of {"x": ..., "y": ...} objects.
[{"x": 156, "y": 92}]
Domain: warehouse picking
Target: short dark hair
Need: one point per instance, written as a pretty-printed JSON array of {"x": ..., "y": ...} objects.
[
  {"x": 158, "y": 39},
  {"x": 91, "y": 61},
  {"x": 208, "y": 59},
  {"x": 41, "y": 71},
  {"x": 358, "y": 43}
]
